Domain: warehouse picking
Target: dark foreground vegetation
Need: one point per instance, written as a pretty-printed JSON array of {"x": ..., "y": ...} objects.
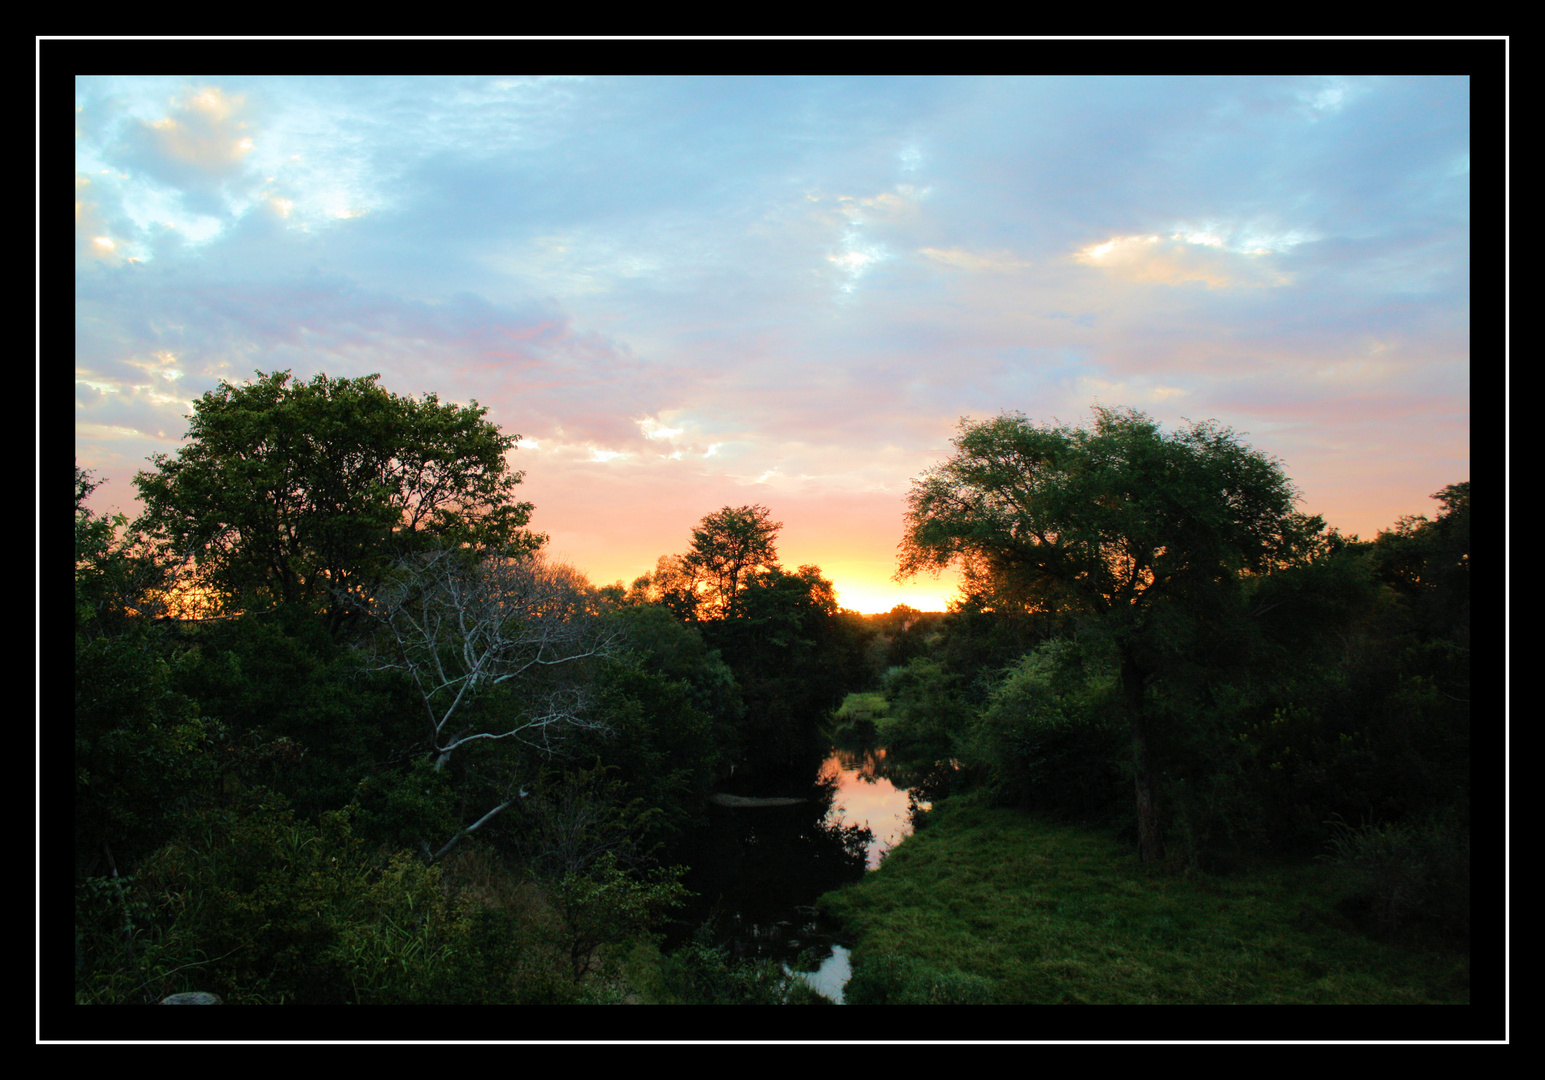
[{"x": 344, "y": 735}]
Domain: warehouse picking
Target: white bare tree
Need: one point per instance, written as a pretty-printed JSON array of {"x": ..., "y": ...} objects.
[{"x": 462, "y": 627}]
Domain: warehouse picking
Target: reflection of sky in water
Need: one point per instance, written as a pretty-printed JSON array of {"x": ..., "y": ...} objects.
[
  {"x": 864, "y": 797},
  {"x": 832, "y": 975}
]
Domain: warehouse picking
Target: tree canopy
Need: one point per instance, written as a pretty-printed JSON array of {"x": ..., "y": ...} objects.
[
  {"x": 729, "y": 547},
  {"x": 1104, "y": 518},
  {"x": 1114, "y": 520},
  {"x": 306, "y": 492}
]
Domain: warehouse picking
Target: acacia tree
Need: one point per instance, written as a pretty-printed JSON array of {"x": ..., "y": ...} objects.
[
  {"x": 1118, "y": 521},
  {"x": 732, "y": 549},
  {"x": 307, "y": 492}
]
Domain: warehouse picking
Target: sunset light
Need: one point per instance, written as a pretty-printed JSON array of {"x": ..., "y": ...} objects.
[
  {"x": 723, "y": 539},
  {"x": 786, "y": 321}
]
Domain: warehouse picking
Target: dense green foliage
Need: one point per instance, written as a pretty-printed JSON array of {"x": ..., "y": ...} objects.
[
  {"x": 485, "y": 789},
  {"x": 700, "y": 974},
  {"x": 468, "y": 796},
  {"x": 253, "y": 905},
  {"x": 1140, "y": 530},
  {"x": 304, "y": 493}
]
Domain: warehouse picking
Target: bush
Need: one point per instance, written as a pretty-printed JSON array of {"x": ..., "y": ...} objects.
[
  {"x": 1051, "y": 740},
  {"x": 699, "y": 974},
  {"x": 605, "y": 905},
  {"x": 253, "y": 905},
  {"x": 511, "y": 957},
  {"x": 1408, "y": 877},
  {"x": 141, "y": 750},
  {"x": 928, "y": 711},
  {"x": 1214, "y": 807}
]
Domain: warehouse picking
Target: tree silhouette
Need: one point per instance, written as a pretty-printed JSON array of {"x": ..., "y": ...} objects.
[{"x": 1115, "y": 521}]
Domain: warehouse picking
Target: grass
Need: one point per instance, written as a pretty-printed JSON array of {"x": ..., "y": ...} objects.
[{"x": 1046, "y": 913}]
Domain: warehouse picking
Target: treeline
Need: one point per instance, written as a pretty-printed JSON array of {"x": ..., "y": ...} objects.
[
  {"x": 1277, "y": 690},
  {"x": 343, "y": 734}
]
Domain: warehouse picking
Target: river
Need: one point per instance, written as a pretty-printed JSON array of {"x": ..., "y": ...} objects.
[{"x": 762, "y": 861}]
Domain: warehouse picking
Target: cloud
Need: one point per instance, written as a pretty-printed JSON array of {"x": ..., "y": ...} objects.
[
  {"x": 684, "y": 291},
  {"x": 93, "y": 237},
  {"x": 206, "y": 133},
  {"x": 1182, "y": 260},
  {"x": 198, "y": 147},
  {"x": 998, "y": 262}
]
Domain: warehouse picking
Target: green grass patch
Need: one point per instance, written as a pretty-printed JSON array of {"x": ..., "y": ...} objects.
[
  {"x": 996, "y": 905},
  {"x": 856, "y": 722}
]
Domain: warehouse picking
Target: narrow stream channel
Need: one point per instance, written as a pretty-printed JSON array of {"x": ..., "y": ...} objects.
[{"x": 782, "y": 842}]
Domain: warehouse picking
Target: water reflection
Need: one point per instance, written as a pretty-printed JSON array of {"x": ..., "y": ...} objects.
[
  {"x": 757, "y": 869},
  {"x": 832, "y": 976},
  {"x": 866, "y": 796},
  {"x": 761, "y": 862}
]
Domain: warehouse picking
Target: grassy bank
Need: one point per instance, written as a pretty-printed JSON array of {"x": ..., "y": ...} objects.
[{"x": 991, "y": 905}]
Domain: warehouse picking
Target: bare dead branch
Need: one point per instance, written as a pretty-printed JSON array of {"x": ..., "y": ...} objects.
[{"x": 461, "y": 625}]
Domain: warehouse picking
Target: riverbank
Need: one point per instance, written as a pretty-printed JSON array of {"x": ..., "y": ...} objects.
[{"x": 992, "y": 905}]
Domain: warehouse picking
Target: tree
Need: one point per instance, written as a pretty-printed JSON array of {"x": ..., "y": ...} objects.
[
  {"x": 1429, "y": 563},
  {"x": 1118, "y": 520},
  {"x": 791, "y": 656},
  {"x": 728, "y": 549},
  {"x": 671, "y": 586},
  {"x": 93, "y": 549},
  {"x": 118, "y": 574},
  {"x": 306, "y": 493},
  {"x": 486, "y": 642},
  {"x": 779, "y": 632}
]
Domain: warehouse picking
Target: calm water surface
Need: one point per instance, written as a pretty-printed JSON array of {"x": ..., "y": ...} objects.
[
  {"x": 759, "y": 870},
  {"x": 865, "y": 797}
]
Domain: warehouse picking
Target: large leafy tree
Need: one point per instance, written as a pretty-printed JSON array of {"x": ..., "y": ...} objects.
[
  {"x": 1117, "y": 520},
  {"x": 307, "y": 492},
  {"x": 729, "y": 548}
]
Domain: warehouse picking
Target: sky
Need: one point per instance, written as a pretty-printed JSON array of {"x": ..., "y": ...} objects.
[{"x": 685, "y": 293}]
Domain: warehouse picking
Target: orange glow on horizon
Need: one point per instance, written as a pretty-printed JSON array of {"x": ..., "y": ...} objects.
[
  {"x": 879, "y": 595},
  {"x": 183, "y": 600}
]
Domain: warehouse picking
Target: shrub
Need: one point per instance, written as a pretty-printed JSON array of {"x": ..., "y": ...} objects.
[
  {"x": 928, "y": 711},
  {"x": 1050, "y": 739},
  {"x": 699, "y": 974},
  {"x": 1408, "y": 877},
  {"x": 605, "y": 905},
  {"x": 260, "y": 908}
]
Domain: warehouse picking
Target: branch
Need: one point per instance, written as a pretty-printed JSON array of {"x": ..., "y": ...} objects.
[
  {"x": 470, "y": 828},
  {"x": 460, "y": 624}
]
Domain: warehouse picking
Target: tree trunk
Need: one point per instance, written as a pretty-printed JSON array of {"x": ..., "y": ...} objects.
[{"x": 1150, "y": 844}]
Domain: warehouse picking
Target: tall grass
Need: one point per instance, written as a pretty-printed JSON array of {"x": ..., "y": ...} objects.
[{"x": 997, "y": 905}]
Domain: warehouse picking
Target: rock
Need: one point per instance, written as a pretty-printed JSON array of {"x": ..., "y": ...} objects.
[{"x": 197, "y": 998}]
